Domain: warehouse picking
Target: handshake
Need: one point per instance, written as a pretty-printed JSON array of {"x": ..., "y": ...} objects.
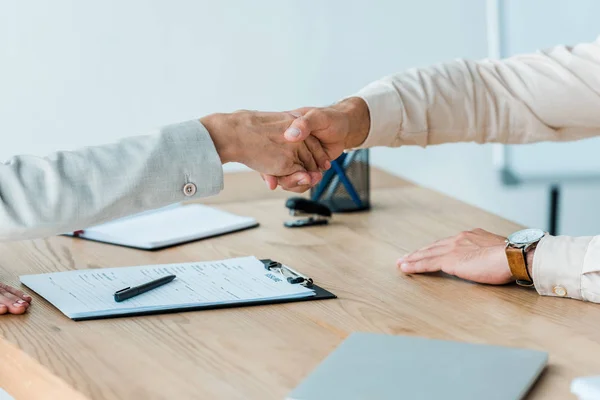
[{"x": 290, "y": 149}]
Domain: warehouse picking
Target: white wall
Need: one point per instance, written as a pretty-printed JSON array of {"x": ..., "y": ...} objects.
[{"x": 77, "y": 73}]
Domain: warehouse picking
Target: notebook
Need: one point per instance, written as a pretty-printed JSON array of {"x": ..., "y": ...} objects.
[
  {"x": 168, "y": 226},
  {"x": 376, "y": 366},
  {"x": 89, "y": 293}
]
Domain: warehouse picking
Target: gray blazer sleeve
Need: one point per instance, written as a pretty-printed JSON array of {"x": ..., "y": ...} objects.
[{"x": 67, "y": 191}]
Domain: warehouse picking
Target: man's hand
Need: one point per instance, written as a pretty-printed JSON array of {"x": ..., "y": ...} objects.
[
  {"x": 13, "y": 301},
  {"x": 339, "y": 127},
  {"x": 476, "y": 255},
  {"x": 255, "y": 139}
]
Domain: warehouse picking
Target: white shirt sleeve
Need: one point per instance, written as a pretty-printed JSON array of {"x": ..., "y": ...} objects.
[{"x": 551, "y": 95}]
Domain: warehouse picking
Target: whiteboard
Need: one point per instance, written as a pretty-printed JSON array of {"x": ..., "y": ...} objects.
[{"x": 524, "y": 27}]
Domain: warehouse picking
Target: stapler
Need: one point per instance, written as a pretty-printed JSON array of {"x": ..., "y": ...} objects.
[{"x": 317, "y": 213}]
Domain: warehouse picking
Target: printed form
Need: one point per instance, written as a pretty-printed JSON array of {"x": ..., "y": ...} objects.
[{"x": 90, "y": 293}]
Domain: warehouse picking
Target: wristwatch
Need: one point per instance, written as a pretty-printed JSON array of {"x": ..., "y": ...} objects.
[{"x": 517, "y": 245}]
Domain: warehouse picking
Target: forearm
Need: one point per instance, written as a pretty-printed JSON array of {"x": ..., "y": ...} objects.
[
  {"x": 546, "y": 96},
  {"x": 226, "y": 144},
  {"x": 72, "y": 190}
]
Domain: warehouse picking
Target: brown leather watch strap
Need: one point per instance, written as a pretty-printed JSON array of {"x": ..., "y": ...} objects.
[{"x": 518, "y": 265}]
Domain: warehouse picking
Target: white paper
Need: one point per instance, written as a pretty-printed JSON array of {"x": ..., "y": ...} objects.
[
  {"x": 90, "y": 293},
  {"x": 4, "y": 395},
  {"x": 586, "y": 388},
  {"x": 168, "y": 226}
]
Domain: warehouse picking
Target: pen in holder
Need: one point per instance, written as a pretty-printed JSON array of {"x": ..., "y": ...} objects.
[{"x": 345, "y": 186}]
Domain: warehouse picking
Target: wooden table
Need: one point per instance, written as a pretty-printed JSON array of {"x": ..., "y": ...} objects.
[{"x": 263, "y": 352}]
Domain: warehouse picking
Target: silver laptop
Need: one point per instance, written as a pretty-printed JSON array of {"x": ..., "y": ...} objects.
[{"x": 380, "y": 367}]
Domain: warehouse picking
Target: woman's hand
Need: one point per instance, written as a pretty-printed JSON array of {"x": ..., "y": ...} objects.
[
  {"x": 256, "y": 139},
  {"x": 476, "y": 255},
  {"x": 13, "y": 301}
]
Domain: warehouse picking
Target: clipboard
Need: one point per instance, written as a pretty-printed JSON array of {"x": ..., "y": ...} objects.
[
  {"x": 279, "y": 271},
  {"x": 292, "y": 276}
]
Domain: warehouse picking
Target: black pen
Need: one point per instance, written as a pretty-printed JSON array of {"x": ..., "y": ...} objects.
[{"x": 130, "y": 292}]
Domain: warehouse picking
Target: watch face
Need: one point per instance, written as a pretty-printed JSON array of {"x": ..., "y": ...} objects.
[{"x": 526, "y": 236}]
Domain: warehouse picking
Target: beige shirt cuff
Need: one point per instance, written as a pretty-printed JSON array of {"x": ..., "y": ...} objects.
[
  {"x": 385, "y": 111},
  {"x": 566, "y": 266}
]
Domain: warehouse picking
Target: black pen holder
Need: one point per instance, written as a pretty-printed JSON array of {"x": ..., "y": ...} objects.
[{"x": 345, "y": 186}]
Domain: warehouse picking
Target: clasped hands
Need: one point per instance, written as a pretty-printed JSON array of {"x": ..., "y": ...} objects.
[{"x": 290, "y": 149}]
